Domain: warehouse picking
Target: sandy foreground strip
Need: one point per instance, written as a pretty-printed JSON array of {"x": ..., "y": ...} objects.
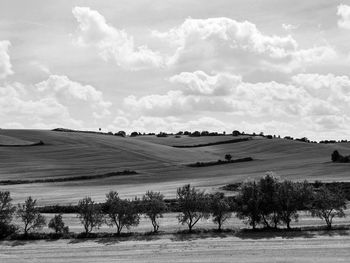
[{"x": 170, "y": 248}]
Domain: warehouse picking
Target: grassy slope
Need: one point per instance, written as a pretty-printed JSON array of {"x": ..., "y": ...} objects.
[{"x": 161, "y": 166}]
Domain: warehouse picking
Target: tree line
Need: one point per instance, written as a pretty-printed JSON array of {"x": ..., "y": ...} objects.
[{"x": 267, "y": 203}]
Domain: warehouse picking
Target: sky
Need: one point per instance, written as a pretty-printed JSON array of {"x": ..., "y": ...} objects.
[{"x": 274, "y": 66}]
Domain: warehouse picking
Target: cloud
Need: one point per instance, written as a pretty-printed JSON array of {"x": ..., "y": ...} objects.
[
  {"x": 289, "y": 27},
  {"x": 55, "y": 102},
  {"x": 226, "y": 43},
  {"x": 306, "y": 103},
  {"x": 199, "y": 82},
  {"x": 67, "y": 90},
  {"x": 5, "y": 63},
  {"x": 112, "y": 43},
  {"x": 343, "y": 11}
]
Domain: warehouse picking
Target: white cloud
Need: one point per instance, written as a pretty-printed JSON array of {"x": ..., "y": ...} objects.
[
  {"x": 112, "y": 43},
  {"x": 343, "y": 11},
  {"x": 55, "y": 102},
  {"x": 309, "y": 103},
  {"x": 5, "y": 63},
  {"x": 289, "y": 27},
  {"x": 67, "y": 90},
  {"x": 199, "y": 82},
  {"x": 227, "y": 43}
]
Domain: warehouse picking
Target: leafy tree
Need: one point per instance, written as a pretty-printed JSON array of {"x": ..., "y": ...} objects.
[
  {"x": 122, "y": 213},
  {"x": 30, "y": 215},
  {"x": 220, "y": 209},
  {"x": 327, "y": 204},
  {"x": 89, "y": 214},
  {"x": 228, "y": 157},
  {"x": 292, "y": 197},
  {"x": 335, "y": 156},
  {"x": 154, "y": 207},
  {"x": 56, "y": 223},
  {"x": 268, "y": 186},
  {"x": 7, "y": 210},
  {"x": 192, "y": 204},
  {"x": 248, "y": 204}
]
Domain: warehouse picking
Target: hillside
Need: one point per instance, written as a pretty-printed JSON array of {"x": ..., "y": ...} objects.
[{"x": 159, "y": 165}]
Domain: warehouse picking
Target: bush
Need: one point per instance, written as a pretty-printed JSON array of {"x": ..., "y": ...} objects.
[{"x": 57, "y": 224}]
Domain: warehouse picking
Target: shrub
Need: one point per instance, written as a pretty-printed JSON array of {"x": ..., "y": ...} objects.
[{"x": 56, "y": 223}]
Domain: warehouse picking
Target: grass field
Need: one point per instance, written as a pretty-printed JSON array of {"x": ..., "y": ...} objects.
[{"x": 160, "y": 167}]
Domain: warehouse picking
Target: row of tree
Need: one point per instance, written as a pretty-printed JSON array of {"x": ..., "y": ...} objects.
[{"x": 267, "y": 202}]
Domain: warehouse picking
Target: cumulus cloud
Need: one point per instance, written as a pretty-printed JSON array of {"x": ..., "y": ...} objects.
[
  {"x": 308, "y": 102},
  {"x": 55, "y": 102},
  {"x": 343, "y": 11},
  {"x": 112, "y": 43},
  {"x": 199, "y": 82},
  {"x": 222, "y": 42},
  {"x": 68, "y": 90},
  {"x": 5, "y": 63}
]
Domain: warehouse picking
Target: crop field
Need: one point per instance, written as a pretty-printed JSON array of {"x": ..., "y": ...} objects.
[
  {"x": 160, "y": 166},
  {"x": 305, "y": 247}
]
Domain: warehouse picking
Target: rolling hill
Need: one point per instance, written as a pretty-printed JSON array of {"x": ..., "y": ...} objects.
[{"x": 158, "y": 164}]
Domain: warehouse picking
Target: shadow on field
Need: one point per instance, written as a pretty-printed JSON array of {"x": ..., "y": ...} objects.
[
  {"x": 201, "y": 234},
  {"x": 293, "y": 233}
]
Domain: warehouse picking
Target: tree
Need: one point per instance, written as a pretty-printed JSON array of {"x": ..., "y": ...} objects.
[
  {"x": 228, "y": 157},
  {"x": 192, "y": 204},
  {"x": 220, "y": 209},
  {"x": 56, "y": 223},
  {"x": 248, "y": 204},
  {"x": 30, "y": 215},
  {"x": 154, "y": 207},
  {"x": 335, "y": 156},
  {"x": 89, "y": 214},
  {"x": 7, "y": 210},
  {"x": 268, "y": 186},
  {"x": 327, "y": 204},
  {"x": 292, "y": 197},
  {"x": 122, "y": 213}
]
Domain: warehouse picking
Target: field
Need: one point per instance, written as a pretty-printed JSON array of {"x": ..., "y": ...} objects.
[
  {"x": 160, "y": 166},
  {"x": 308, "y": 247}
]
